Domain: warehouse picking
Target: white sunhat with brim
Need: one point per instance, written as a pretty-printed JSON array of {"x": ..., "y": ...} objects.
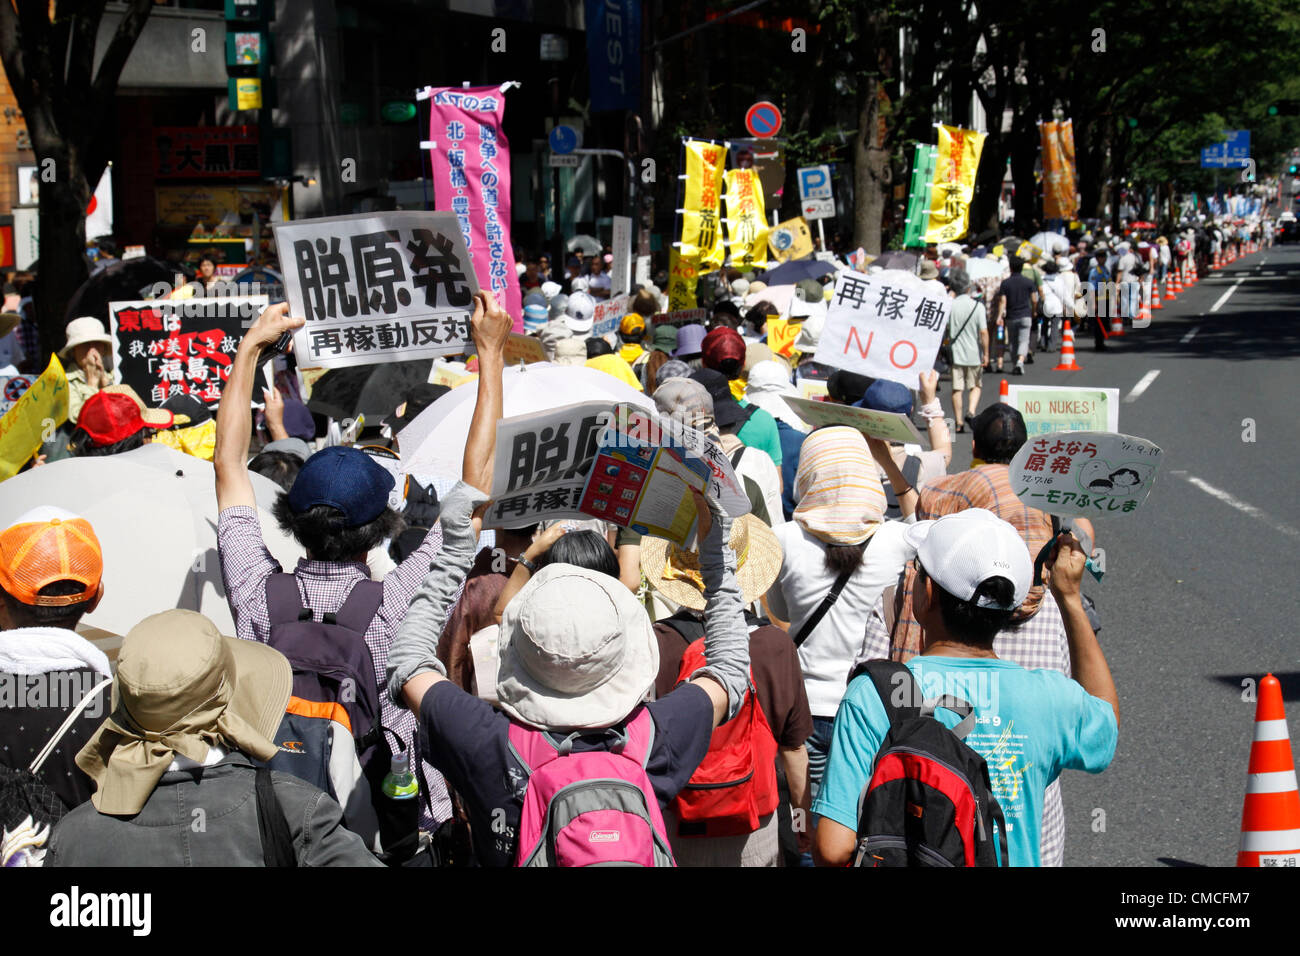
[
  {"x": 577, "y": 651},
  {"x": 963, "y": 550},
  {"x": 85, "y": 329}
]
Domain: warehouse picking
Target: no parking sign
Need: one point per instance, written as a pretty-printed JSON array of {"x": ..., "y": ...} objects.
[{"x": 763, "y": 119}]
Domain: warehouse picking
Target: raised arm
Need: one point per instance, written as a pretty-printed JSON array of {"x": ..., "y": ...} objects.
[
  {"x": 413, "y": 665},
  {"x": 1087, "y": 662},
  {"x": 725, "y": 676},
  {"x": 234, "y": 423}
]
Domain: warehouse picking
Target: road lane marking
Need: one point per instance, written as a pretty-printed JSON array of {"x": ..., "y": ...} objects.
[
  {"x": 1224, "y": 298},
  {"x": 1243, "y": 507},
  {"x": 1142, "y": 385},
  {"x": 1190, "y": 335}
]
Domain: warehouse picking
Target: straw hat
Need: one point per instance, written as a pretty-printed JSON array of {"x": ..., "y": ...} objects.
[
  {"x": 8, "y": 322},
  {"x": 675, "y": 572}
]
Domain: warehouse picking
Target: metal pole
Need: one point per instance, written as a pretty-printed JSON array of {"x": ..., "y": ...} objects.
[
  {"x": 557, "y": 238},
  {"x": 821, "y": 234}
]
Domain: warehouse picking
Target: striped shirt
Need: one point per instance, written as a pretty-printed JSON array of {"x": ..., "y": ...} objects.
[{"x": 246, "y": 564}]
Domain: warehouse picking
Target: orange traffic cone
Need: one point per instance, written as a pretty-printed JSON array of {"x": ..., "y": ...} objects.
[
  {"x": 1191, "y": 273},
  {"x": 1144, "y": 312},
  {"x": 1270, "y": 819},
  {"x": 1169, "y": 286},
  {"x": 1217, "y": 260},
  {"x": 1004, "y": 394},
  {"x": 1178, "y": 280},
  {"x": 1155, "y": 295},
  {"x": 1068, "y": 364},
  {"x": 1116, "y": 324}
]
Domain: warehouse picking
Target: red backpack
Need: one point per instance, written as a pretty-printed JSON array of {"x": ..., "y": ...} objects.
[{"x": 735, "y": 785}]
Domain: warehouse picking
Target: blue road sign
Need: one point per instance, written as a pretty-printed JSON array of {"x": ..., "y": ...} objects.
[{"x": 563, "y": 140}]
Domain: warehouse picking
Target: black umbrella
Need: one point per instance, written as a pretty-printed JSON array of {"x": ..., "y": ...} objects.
[
  {"x": 122, "y": 281},
  {"x": 790, "y": 273},
  {"x": 370, "y": 390}
]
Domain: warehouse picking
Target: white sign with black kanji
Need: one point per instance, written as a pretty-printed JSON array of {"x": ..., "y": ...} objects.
[
  {"x": 888, "y": 325},
  {"x": 377, "y": 287}
]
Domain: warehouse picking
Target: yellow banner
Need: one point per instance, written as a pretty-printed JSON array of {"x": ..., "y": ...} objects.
[
  {"x": 701, "y": 230},
  {"x": 681, "y": 282},
  {"x": 33, "y": 418},
  {"x": 746, "y": 222},
  {"x": 1059, "y": 186},
  {"x": 790, "y": 240},
  {"x": 956, "y": 160}
]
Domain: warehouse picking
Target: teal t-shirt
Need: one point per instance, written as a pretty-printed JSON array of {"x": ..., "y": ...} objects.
[
  {"x": 1030, "y": 725},
  {"x": 761, "y": 432}
]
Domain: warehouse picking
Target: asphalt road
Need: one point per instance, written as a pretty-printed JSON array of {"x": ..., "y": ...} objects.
[{"x": 1200, "y": 591}]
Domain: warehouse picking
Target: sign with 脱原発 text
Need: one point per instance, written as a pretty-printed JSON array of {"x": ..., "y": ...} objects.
[{"x": 377, "y": 287}]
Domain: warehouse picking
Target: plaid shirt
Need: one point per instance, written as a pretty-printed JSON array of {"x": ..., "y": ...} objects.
[
  {"x": 988, "y": 487},
  {"x": 245, "y": 566},
  {"x": 1038, "y": 643}
]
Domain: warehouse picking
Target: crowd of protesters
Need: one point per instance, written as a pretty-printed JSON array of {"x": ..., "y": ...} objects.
[{"x": 491, "y": 657}]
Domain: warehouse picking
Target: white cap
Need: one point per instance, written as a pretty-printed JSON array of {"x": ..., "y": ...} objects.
[
  {"x": 580, "y": 312},
  {"x": 550, "y": 290},
  {"x": 43, "y": 514},
  {"x": 961, "y": 551}
]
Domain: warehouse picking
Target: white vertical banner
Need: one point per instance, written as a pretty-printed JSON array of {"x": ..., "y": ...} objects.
[{"x": 621, "y": 275}]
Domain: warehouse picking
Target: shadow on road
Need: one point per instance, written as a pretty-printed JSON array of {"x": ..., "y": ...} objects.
[{"x": 1290, "y": 681}]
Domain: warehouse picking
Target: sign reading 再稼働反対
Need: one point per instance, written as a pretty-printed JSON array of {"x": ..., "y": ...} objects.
[
  {"x": 377, "y": 287},
  {"x": 888, "y": 325},
  {"x": 1061, "y": 408},
  {"x": 167, "y": 347},
  {"x": 1088, "y": 473}
]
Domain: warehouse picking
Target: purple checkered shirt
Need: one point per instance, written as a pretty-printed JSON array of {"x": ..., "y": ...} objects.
[
  {"x": 1038, "y": 643},
  {"x": 246, "y": 564}
]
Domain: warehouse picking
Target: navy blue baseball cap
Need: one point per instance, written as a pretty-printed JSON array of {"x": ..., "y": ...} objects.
[
  {"x": 343, "y": 478},
  {"x": 886, "y": 396}
]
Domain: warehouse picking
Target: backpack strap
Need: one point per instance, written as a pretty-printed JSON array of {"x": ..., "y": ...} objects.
[
  {"x": 272, "y": 827},
  {"x": 957, "y": 706},
  {"x": 283, "y": 600},
  {"x": 829, "y": 600},
  {"x": 67, "y": 725},
  {"x": 360, "y": 608},
  {"x": 883, "y": 675},
  {"x": 736, "y": 455}
]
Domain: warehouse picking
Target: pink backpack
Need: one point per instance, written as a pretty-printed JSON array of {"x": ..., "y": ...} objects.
[{"x": 595, "y": 808}]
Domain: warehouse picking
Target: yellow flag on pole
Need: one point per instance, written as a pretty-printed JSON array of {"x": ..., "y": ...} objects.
[
  {"x": 701, "y": 240},
  {"x": 746, "y": 226},
  {"x": 956, "y": 161}
]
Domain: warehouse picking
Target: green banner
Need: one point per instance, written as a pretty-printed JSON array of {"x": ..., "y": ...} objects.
[{"x": 918, "y": 200}]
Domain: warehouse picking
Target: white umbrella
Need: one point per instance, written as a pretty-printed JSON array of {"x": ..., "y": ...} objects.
[
  {"x": 779, "y": 295},
  {"x": 434, "y": 444},
  {"x": 1052, "y": 243},
  {"x": 984, "y": 268},
  {"x": 158, "y": 529},
  {"x": 587, "y": 245}
]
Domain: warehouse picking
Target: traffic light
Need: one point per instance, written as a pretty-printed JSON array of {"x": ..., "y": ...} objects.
[
  {"x": 1285, "y": 108},
  {"x": 1293, "y": 168}
]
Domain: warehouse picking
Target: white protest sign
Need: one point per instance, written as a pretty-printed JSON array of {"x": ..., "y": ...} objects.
[
  {"x": 377, "y": 287},
  {"x": 1088, "y": 474},
  {"x": 888, "y": 325},
  {"x": 620, "y": 279},
  {"x": 889, "y": 426},
  {"x": 608, "y": 314}
]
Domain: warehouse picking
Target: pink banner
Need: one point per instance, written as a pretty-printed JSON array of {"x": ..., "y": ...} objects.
[{"x": 471, "y": 178}]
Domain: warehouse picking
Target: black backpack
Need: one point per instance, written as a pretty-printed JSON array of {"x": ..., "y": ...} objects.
[
  {"x": 29, "y": 808},
  {"x": 331, "y": 735},
  {"x": 929, "y": 801}
]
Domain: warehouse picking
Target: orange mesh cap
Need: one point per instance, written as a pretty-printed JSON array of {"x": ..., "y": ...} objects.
[{"x": 41, "y": 549}]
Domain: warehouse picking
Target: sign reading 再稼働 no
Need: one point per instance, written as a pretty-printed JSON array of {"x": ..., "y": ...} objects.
[
  {"x": 888, "y": 325},
  {"x": 377, "y": 287}
]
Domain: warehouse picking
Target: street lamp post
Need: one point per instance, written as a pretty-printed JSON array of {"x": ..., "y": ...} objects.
[{"x": 555, "y": 50}]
